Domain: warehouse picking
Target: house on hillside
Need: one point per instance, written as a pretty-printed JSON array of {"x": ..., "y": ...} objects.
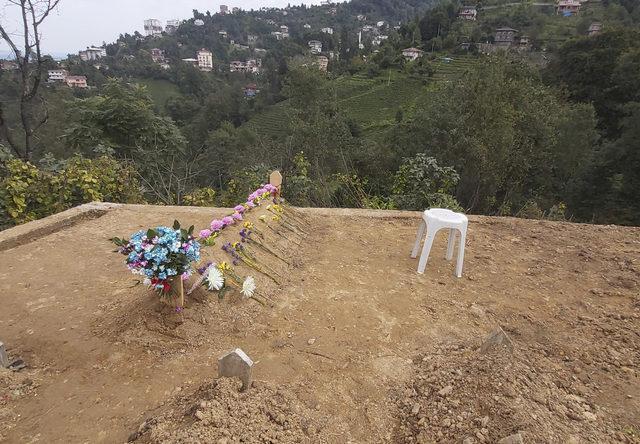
[
  {"x": 468, "y": 13},
  {"x": 172, "y": 26},
  {"x": 57, "y": 75},
  {"x": 505, "y": 37},
  {"x": 251, "y": 90},
  {"x": 92, "y": 53},
  {"x": 8, "y": 65},
  {"x": 412, "y": 53},
  {"x": 152, "y": 27},
  {"x": 252, "y": 39},
  {"x": 205, "y": 60},
  {"x": 315, "y": 46},
  {"x": 323, "y": 63},
  {"x": 595, "y": 29},
  {"x": 568, "y": 7},
  {"x": 76, "y": 81},
  {"x": 327, "y": 30},
  {"x": 306, "y": 26},
  {"x": 157, "y": 55}
]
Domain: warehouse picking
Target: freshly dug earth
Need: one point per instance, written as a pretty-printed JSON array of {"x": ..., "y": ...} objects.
[{"x": 357, "y": 347}]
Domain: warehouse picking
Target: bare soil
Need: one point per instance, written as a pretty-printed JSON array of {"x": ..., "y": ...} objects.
[{"x": 356, "y": 346}]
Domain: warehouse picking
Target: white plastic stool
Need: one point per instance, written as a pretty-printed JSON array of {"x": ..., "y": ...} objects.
[{"x": 434, "y": 220}]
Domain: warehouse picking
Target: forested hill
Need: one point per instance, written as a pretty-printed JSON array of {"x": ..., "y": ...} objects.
[{"x": 523, "y": 111}]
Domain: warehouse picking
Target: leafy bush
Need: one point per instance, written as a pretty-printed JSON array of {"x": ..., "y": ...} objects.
[
  {"x": 200, "y": 197},
  {"x": 28, "y": 193},
  {"x": 421, "y": 183}
]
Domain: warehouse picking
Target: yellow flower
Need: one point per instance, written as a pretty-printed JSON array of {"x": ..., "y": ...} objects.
[
  {"x": 235, "y": 245},
  {"x": 263, "y": 218},
  {"x": 223, "y": 266},
  {"x": 248, "y": 225}
]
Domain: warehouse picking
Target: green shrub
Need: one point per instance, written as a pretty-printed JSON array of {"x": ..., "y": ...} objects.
[{"x": 28, "y": 193}]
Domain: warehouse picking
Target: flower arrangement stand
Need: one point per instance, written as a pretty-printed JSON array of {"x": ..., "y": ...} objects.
[
  {"x": 434, "y": 220},
  {"x": 175, "y": 295}
]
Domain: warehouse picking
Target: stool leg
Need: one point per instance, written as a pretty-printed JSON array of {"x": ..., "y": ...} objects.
[
  {"x": 452, "y": 243},
  {"x": 416, "y": 246},
  {"x": 425, "y": 251},
  {"x": 463, "y": 236}
]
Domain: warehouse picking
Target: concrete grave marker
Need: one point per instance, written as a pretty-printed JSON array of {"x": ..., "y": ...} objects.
[
  {"x": 236, "y": 364},
  {"x": 4, "y": 359},
  {"x": 275, "y": 179}
]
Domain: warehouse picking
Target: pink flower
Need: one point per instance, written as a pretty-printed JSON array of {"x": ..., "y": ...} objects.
[
  {"x": 205, "y": 234},
  {"x": 239, "y": 209},
  {"x": 270, "y": 188},
  {"x": 250, "y": 204},
  {"x": 237, "y": 216},
  {"x": 228, "y": 220},
  {"x": 217, "y": 225}
]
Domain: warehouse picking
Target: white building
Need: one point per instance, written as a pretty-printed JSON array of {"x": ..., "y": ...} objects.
[
  {"x": 327, "y": 30},
  {"x": 193, "y": 62},
  {"x": 323, "y": 63},
  {"x": 92, "y": 53},
  {"x": 152, "y": 27},
  {"x": 223, "y": 34},
  {"x": 76, "y": 81},
  {"x": 307, "y": 26},
  {"x": 412, "y": 53},
  {"x": 172, "y": 26},
  {"x": 315, "y": 46},
  {"x": 250, "y": 66},
  {"x": 380, "y": 24},
  {"x": 58, "y": 75},
  {"x": 205, "y": 60},
  {"x": 377, "y": 40}
]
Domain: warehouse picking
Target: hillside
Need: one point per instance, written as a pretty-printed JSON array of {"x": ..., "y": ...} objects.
[
  {"x": 371, "y": 102},
  {"x": 356, "y": 347}
]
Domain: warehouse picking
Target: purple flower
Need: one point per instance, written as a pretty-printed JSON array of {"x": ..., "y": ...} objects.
[
  {"x": 250, "y": 204},
  {"x": 205, "y": 233},
  {"x": 237, "y": 216},
  {"x": 217, "y": 225},
  {"x": 239, "y": 209},
  {"x": 228, "y": 220}
]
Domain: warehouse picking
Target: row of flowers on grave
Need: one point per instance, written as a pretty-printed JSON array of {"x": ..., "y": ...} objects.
[
  {"x": 164, "y": 254},
  {"x": 263, "y": 193}
]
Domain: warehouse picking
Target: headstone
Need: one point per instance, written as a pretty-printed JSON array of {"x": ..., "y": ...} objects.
[
  {"x": 4, "y": 359},
  {"x": 236, "y": 364},
  {"x": 275, "y": 179},
  {"x": 497, "y": 338}
]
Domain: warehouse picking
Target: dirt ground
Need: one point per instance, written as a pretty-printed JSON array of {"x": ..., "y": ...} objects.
[{"x": 356, "y": 348}]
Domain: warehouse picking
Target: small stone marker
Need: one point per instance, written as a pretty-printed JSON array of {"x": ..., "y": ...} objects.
[
  {"x": 4, "y": 359},
  {"x": 496, "y": 338},
  {"x": 236, "y": 364}
]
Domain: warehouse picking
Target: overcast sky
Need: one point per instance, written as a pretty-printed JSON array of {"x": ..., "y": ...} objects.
[{"x": 77, "y": 24}]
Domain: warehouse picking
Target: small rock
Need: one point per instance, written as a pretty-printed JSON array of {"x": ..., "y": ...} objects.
[
  {"x": 446, "y": 390},
  {"x": 512, "y": 439},
  {"x": 497, "y": 338},
  {"x": 446, "y": 423},
  {"x": 468, "y": 440},
  {"x": 416, "y": 409},
  {"x": 311, "y": 341},
  {"x": 199, "y": 415},
  {"x": 589, "y": 416},
  {"x": 484, "y": 421}
]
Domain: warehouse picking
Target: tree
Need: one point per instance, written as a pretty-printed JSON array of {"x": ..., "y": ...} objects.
[
  {"x": 503, "y": 132},
  {"x": 28, "y": 56}
]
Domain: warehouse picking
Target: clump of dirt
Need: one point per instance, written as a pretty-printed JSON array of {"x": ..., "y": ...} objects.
[
  {"x": 219, "y": 413},
  {"x": 13, "y": 386},
  {"x": 459, "y": 394}
]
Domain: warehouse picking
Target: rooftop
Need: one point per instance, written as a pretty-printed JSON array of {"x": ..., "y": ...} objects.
[{"x": 356, "y": 345}]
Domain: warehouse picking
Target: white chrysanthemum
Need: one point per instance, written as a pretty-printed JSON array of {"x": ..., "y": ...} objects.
[
  {"x": 215, "y": 278},
  {"x": 248, "y": 286}
]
